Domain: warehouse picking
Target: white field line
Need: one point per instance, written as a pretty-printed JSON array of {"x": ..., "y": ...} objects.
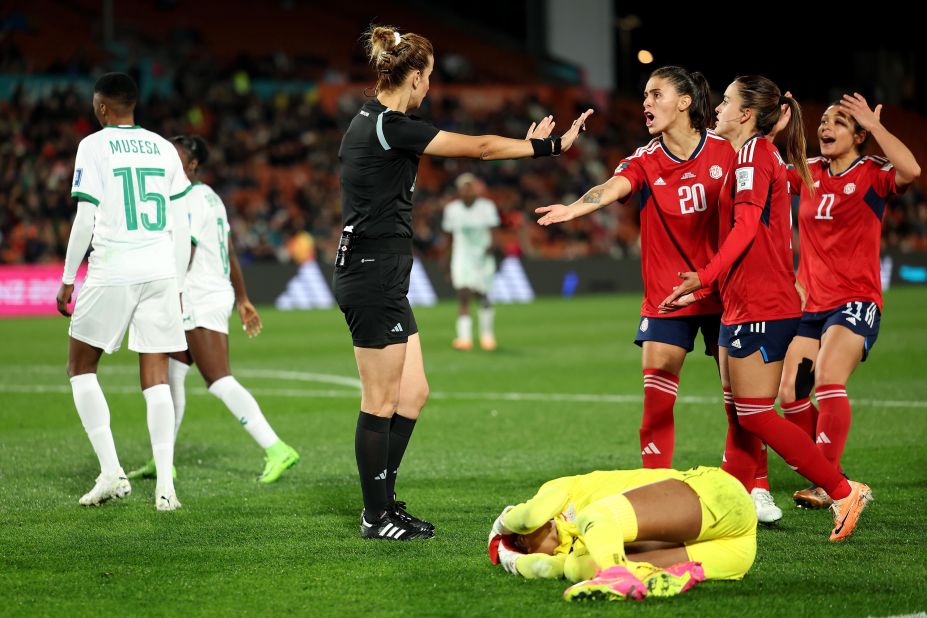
[{"x": 354, "y": 383}]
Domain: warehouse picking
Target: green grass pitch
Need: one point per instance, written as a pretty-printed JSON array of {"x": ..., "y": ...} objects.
[{"x": 560, "y": 396}]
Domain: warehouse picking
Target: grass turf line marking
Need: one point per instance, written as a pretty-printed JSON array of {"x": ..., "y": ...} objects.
[{"x": 439, "y": 395}]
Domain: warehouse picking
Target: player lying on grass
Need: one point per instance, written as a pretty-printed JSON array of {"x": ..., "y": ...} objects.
[{"x": 629, "y": 534}]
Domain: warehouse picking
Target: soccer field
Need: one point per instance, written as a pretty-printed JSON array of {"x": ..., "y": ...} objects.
[{"x": 561, "y": 395}]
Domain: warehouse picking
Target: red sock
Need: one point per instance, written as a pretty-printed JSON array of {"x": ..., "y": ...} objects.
[
  {"x": 761, "y": 478},
  {"x": 803, "y": 413},
  {"x": 757, "y": 416},
  {"x": 741, "y": 448},
  {"x": 657, "y": 433},
  {"x": 833, "y": 421}
]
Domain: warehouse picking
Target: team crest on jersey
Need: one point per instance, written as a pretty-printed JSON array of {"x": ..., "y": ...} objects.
[
  {"x": 849, "y": 188},
  {"x": 77, "y": 176},
  {"x": 715, "y": 172},
  {"x": 745, "y": 179},
  {"x": 687, "y": 176},
  {"x": 644, "y": 324}
]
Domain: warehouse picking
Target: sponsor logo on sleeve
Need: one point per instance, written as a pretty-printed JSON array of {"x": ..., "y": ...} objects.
[
  {"x": 78, "y": 173},
  {"x": 744, "y": 179}
]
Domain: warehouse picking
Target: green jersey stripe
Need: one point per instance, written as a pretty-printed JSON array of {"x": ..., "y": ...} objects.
[
  {"x": 83, "y": 197},
  {"x": 182, "y": 193}
]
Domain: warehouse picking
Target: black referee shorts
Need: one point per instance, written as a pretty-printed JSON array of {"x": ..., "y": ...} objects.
[{"x": 372, "y": 293}]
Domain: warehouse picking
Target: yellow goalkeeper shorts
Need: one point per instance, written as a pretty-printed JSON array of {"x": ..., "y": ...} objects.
[{"x": 726, "y": 545}]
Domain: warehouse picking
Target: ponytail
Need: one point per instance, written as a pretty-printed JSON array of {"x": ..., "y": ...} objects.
[
  {"x": 765, "y": 99},
  {"x": 796, "y": 144}
]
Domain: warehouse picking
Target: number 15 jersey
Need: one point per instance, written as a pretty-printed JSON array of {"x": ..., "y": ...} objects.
[
  {"x": 679, "y": 215},
  {"x": 132, "y": 176}
]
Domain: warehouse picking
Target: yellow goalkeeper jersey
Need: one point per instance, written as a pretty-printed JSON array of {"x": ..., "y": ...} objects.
[{"x": 561, "y": 499}]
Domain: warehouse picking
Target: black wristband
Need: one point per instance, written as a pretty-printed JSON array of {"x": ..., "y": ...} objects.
[
  {"x": 542, "y": 147},
  {"x": 555, "y": 145}
]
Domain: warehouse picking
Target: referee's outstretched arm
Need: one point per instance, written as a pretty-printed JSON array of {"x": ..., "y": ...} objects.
[{"x": 493, "y": 147}]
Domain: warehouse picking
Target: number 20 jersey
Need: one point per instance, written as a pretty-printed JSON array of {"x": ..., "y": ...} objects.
[
  {"x": 679, "y": 215},
  {"x": 133, "y": 177},
  {"x": 840, "y": 231}
]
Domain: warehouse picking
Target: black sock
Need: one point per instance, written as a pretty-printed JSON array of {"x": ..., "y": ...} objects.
[
  {"x": 371, "y": 449},
  {"x": 400, "y": 431}
]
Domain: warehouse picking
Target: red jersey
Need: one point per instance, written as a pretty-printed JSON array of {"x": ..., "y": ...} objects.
[
  {"x": 840, "y": 227},
  {"x": 679, "y": 215},
  {"x": 760, "y": 285}
]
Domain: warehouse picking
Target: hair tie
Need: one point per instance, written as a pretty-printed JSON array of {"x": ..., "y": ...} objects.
[
  {"x": 784, "y": 100},
  {"x": 396, "y": 39}
]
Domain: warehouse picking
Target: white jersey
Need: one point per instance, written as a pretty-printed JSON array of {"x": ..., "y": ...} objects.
[
  {"x": 471, "y": 227},
  {"x": 209, "y": 231},
  {"x": 132, "y": 176}
]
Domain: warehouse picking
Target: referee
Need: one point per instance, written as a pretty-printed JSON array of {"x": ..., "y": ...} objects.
[{"x": 379, "y": 156}]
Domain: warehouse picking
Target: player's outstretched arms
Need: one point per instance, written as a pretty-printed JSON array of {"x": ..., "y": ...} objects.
[{"x": 616, "y": 188}]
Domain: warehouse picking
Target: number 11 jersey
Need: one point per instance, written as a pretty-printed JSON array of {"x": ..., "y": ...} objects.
[{"x": 840, "y": 231}]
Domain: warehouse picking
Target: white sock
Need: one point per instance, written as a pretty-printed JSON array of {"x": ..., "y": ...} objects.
[
  {"x": 94, "y": 414},
  {"x": 240, "y": 403},
  {"x": 176, "y": 376},
  {"x": 464, "y": 328},
  {"x": 486, "y": 317},
  {"x": 161, "y": 430}
]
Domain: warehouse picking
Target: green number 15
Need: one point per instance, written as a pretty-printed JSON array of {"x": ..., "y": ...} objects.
[{"x": 128, "y": 191}]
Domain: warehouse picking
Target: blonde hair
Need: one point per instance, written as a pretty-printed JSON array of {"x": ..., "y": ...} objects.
[{"x": 394, "y": 56}]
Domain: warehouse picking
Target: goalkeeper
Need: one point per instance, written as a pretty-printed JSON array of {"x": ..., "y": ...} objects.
[{"x": 628, "y": 534}]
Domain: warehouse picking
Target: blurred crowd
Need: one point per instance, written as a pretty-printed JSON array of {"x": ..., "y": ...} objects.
[{"x": 274, "y": 160}]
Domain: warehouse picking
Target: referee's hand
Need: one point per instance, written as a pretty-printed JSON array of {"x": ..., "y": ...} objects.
[
  {"x": 540, "y": 130},
  {"x": 578, "y": 126}
]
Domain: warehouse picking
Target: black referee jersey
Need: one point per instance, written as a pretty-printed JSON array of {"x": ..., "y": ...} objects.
[{"x": 379, "y": 161}]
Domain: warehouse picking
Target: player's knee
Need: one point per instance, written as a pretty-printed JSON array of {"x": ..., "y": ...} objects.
[
  {"x": 786, "y": 393},
  {"x": 423, "y": 393},
  {"x": 415, "y": 400},
  {"x": 384, "y": 405},
  {"x": 824, "y": 378},
  {"x": 76, "y": 368},
  {"x": 211, "y": 377}
]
